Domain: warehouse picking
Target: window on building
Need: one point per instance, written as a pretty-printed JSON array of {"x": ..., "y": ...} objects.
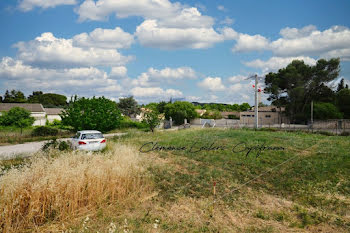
[{"x": 268, "y": 116}]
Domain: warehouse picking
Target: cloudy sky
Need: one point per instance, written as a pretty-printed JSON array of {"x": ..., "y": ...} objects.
[{"x": 157, "y": 49}]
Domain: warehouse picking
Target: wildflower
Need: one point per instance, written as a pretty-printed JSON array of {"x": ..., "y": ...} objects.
[
  {"x": 155, "y": 225},
  {"x": 112, "y": 228}
]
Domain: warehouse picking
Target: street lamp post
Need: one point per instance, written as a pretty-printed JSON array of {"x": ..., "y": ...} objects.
[{"x": 256, "y": 120}]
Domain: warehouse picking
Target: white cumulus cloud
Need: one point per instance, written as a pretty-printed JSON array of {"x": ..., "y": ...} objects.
[
  {"x": 104, "y": 38},
  {"x": 275, "y": 63},
  {"x": 47, "y": 50},
  {"x": 82, "y": 80},
  {"x": 27, "y": 5},
  {"x": 247, "y": 43},
  {"x": 212, "y": 84},
  {"x": 155, "y": 92},
  {"x": 154, "y": 76},
  {"x": 150, "y": 34}
]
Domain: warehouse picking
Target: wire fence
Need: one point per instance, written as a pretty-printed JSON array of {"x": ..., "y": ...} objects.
[{"x": 334, "y": 126}]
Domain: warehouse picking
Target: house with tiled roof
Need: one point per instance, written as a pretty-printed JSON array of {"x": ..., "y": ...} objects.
[{"x": 40, "y": 114}]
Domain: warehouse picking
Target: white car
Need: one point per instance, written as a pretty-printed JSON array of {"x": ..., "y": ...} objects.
[{"x": 91, "y": 140}]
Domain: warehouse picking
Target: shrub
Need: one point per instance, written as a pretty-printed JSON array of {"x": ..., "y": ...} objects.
[
  {"x": 54, "y": 144},
  {"x": 151, "y": 118},
  {"x": 179, "y": 111},
  {"x": 326, "y": 111},
  {"x": 96, "y": 113},
  {"x": 44, "y": 131},
  {"x": 126, "y": 123}
]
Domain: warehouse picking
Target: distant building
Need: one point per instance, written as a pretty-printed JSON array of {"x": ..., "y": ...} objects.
[
  {"x": 200, "y": 112},
  {"x": 40, "y": 114},
  {"x": 53, "y": 114},
  {"x": 268, "y": 115},
  {"x": 230, "y": 115}
]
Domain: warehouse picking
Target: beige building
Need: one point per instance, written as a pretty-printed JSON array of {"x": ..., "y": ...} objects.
[
  {"x": 268, "y": 115},
  {"x": 226, "y": 115},
  {"x": 53, "y": 114},
  {"x": 40, "y": 114},
  {"x": 37, "y": 111}
]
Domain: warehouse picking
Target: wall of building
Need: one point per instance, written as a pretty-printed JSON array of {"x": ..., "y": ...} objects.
[
  {"x": 40, "y": 118},
  {"x": 51, "y": 118},
  {"x": 265, "y": 118}
]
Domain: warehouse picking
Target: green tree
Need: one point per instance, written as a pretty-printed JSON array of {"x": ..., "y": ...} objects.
[
  {"x": 128, "y": 106},
  {"x": 18, "y": 117},
  {"x": 96, "y": 114},
  {"x": 48, "y": 99},
  {"x": 151, "y": 118},
  {"x": 179, "y": 111},
  {"x": 298, "y": 84},
  {"x": 244, "y": 107},
  {"x": 161, "y": 106},
  {"x": 324, "y": 111},
  {"x": 343, "y": 102},
  {"x": 14, "y": 97}
]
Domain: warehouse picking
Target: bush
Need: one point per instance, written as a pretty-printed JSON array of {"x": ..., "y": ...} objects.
[
  {"x": 126, "y": 123},
  {"x": 324, "y": 111},
  {"x": 96, "y": 113},
  {"x": 151, "y": 118},
  {"x": 179, "y": 111},
  {"x": 44, "y": 131},
  {"x": 54, "y": 144}
]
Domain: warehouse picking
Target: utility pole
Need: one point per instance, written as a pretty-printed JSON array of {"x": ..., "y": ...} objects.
[
  {"x": 256, "y": 120},
  {"x": 312, "y": 115}
]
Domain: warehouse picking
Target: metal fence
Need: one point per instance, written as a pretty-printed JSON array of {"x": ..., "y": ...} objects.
[{"x": 336, "y": 126}]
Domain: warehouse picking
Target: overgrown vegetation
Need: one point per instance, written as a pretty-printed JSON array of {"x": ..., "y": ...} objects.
[
  {"x": 55, "y": 189},
  {"x": 13, "y": 135},
  {"x": 44, "y": 131},
  {"x": 96, "y": 113},
  {"x": 303, "y": 188}
]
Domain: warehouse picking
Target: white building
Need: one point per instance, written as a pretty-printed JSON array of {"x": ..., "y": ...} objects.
[
  {"x": 53, "y": 114},
  {"x": 40, "y": 114}
]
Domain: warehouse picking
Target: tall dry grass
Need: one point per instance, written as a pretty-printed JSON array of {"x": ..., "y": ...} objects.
[{"x": 61, "y": 188}]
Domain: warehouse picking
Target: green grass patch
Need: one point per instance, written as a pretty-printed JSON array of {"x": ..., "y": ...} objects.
[{"x": 316, "y": 174}]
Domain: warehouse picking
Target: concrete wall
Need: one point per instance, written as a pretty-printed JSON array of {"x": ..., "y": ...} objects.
[
  {"x": 265, "y": 118},
  {"x": 51, "y": 118},
  {"x": 219, "y": 122},
  {"x": 332, "y": 124},
  {"x": 40, "y": 118}
]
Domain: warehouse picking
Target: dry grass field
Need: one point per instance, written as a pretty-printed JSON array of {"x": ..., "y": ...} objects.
[{"x": 123, "y": 190}]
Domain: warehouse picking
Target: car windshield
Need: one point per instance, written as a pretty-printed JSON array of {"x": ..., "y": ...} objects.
[{"x": 91, "y": 136}]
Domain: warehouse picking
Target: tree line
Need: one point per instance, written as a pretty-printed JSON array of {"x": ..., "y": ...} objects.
[
  {"x": 46, "y": 99},
  {"x": 298, "y": 85}
]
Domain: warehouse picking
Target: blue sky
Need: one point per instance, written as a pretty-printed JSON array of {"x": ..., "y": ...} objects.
[{"x": 157, "y": 49}]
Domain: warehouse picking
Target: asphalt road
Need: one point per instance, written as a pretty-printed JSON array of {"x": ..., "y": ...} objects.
[{"x": 26, "y": 149}]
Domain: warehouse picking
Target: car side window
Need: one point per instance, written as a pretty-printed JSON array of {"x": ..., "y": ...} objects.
[{"x": 83, "y": 136}]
